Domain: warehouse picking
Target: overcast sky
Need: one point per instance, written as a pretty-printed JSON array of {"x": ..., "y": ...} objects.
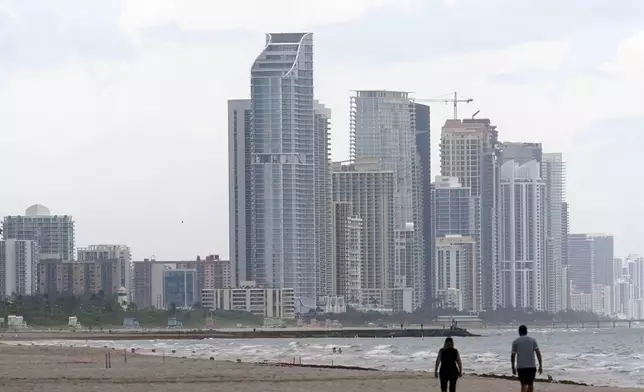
[{"x": 115, "y": 111}]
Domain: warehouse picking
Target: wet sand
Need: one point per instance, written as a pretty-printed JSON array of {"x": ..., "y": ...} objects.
[{"x": 51, "y": 369}]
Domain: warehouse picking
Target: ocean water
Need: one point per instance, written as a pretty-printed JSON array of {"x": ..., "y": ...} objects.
[{"x": 609, "y": 357}]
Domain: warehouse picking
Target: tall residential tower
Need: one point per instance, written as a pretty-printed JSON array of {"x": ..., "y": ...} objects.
[
  {"x": 284, "y": 169},
  {"x": 522, "y": 239},
  {"x": 383, "y": 126},
  {"x": 553, "y": 172},
  {"x": 470, "y": 152}
]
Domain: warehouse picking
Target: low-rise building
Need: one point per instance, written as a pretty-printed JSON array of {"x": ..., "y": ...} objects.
[
  {"x": 266, "y": 302},
  {"x": 602, "y": 300},
  {"x": 581, "y": 302},
  {"x": 212, "y": 273}
]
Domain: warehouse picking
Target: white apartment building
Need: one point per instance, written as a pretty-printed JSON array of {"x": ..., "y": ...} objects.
[
  {"x": 581, "y": 302},
  {"x": 602, "y": 300},
  {"x": 383, "y": 126},
  {"x": 266, "y": 302},
  {"x": 623, "y": 296},
  {"x": 18, "y": 267},
  {"x": 54, "y": 234},
  {"x": 370, "y": 193},
  {"x": 455, "y": 272},
  {"x": 347, "y": 253},
  {"x": 522, "y": 237},
  {"x": 553, "y": 173}
]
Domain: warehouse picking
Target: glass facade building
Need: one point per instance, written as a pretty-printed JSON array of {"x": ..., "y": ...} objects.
[
  {"x": 180, "y": 288},
  {"x": 284, "y": 234}
]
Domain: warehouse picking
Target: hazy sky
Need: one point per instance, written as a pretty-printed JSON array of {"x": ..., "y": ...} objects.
[{"x": 115, "y": 111}]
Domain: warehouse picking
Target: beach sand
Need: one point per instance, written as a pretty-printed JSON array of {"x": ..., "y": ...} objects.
[{"x": 54, "y": 369}]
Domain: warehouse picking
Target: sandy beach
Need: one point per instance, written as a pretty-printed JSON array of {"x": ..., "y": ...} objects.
[{"x": 30, "y": 368}]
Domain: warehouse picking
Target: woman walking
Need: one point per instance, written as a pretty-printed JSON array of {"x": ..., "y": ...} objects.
[{"x": 451, "y": 368}]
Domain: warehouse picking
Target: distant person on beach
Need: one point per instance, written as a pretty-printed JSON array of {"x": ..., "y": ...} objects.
[
  {"x": 451, "y": 368},
  {"x": 524, "y": 349}
]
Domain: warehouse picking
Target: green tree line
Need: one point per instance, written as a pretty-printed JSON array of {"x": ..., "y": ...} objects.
[{"x": 99, "y": 310}]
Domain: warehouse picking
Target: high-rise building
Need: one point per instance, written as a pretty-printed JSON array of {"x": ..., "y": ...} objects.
[
  {"x": 455, "y": 208},
  {"x": 370, "y": 193},
  {"x": 520, "y": 152},
  {"x": 286, "y": 158},
  {"x": 347, "y": 252},
  {"x": 522, "y": 236},
  {"x": 455, "y": 279},
  {"x": 383, "y": 127},
  {"x": 18, "y": 268},
  {"x": 101, "y": 269},
  {"x": 456, "y": 212},
  {"x": 423, "y": 149},
  {"x": 323, "y": 201},
  {"x": 54, "y": 234},
  {"x": 55, "y": 277},
  {"x": 148, "y": 282},
  {"x": 565, "y": 288},
  {"x": 591, "y": 261},
  {"x": 553, "y": 172},
  {"x": 603, "y": 250},
  {"x": 581, "y": 263},
  {"x": 469, "y": 151},
  {"x": 239, "y": 115}
]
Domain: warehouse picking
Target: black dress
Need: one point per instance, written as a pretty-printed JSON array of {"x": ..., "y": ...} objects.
[{"x": 449, "y": 368}]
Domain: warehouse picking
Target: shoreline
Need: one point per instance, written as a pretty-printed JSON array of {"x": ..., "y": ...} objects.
[
  {"x": 52, "y": 368},
  {"x": 280, "y": 364}
]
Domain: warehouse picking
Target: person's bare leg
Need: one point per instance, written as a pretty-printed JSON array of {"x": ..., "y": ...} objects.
[
  {"x": 524, "y": 388},
  {"x": 530, "y": 388}
]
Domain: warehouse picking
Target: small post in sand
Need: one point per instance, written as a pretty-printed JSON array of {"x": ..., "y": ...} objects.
[{"x": 125, "y": 354}]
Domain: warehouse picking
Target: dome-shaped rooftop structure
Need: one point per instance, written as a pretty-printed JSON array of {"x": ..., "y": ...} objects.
[
  {"x": 37, "y": 210},
  {"x": 122, "y": 291}
]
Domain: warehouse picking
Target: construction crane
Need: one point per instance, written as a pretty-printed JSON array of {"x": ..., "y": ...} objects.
[{"x": 454, "y": 100}]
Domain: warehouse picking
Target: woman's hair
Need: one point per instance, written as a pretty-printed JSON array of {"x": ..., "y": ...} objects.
[{"x": 449, "y": 343}]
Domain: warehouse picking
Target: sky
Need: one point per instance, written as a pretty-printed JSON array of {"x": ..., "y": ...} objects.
[{"x": 114, "y": 111}]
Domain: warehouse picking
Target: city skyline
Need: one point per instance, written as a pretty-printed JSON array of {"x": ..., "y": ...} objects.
[{"x": 148, "y": 91}]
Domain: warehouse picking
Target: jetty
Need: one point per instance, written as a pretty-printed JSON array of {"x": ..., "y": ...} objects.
[{"x": 239, "y": 333}]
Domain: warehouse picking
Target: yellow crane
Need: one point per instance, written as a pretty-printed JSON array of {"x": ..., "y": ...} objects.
[{"x": 455, "y": 101}]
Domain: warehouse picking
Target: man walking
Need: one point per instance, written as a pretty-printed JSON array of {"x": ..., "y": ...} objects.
[{"x": 524, "y": 349}]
